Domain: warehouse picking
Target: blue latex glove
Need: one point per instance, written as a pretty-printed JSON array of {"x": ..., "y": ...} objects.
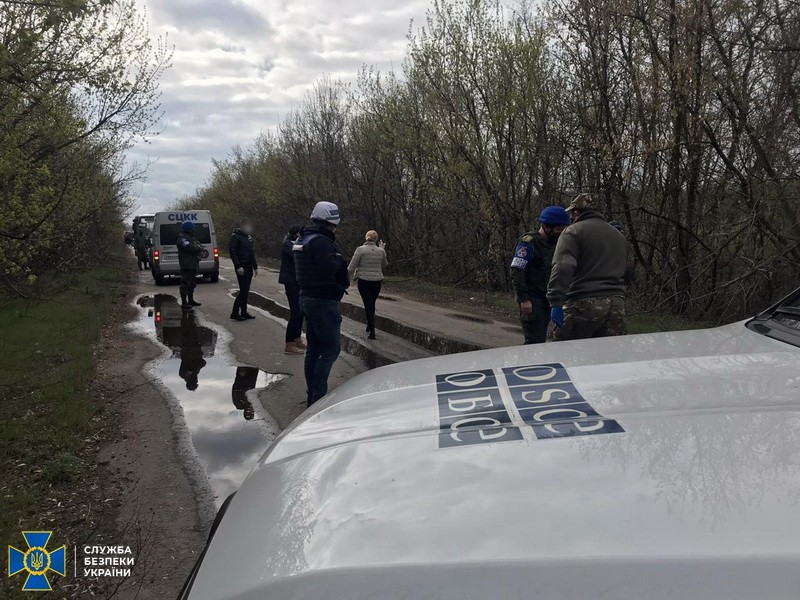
[{"x": 557, "y": 315}]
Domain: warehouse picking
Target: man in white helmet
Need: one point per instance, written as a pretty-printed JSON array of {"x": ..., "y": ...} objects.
[{"x": 321, "y": 271}]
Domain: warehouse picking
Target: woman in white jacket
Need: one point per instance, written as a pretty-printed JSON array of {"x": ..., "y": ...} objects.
[{"x": 367, "y": 265}]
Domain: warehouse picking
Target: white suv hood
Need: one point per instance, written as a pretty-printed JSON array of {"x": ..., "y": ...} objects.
[{"x": 699, "y": 496}]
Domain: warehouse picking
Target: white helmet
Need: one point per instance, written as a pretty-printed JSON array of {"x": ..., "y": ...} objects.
[{"x": 326, "y": 211}]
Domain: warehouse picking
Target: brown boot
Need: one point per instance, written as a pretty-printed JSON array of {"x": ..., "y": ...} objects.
[
  {"x": 300, "y": 343},
  {"x": 292, "y": 348}
]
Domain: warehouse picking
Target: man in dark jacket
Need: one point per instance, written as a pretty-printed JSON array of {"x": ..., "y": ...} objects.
[
  {"x": 530, "y": 272},
  {"x": 587, "y": 284},
  {"x": 287, "y": 276},
  {"x": 243, "y": 254},
  {"x": 189, "y": 252},
  {"x": 321, "y": 271}
]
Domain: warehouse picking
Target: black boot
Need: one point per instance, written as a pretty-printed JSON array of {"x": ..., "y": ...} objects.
[
  {"x": 247, "y": 315},
  {"x": 371, "y": 335},
  {"x": 237, "y": 317},
  {"x": 192, "y": 302},
  {"x": 184, "y": 303}
]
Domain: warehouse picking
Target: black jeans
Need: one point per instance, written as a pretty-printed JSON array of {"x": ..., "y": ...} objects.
[
  {"x": 240, "y": 304},
  {"x": 295, "y": 327},
  {"x": 369, "y": 290},
  {"x": 188, "y": 282}
]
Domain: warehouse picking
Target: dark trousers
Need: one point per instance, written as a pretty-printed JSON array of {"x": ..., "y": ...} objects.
[
  {"x": 294, "y": 329},
  {"x": 369, "y": 290},
  {"x": 240, "y": 304},
  {"x": 323, "y": 333},
  {"x": 534, "y": 326},
  {"x": 188, "y": 282}
]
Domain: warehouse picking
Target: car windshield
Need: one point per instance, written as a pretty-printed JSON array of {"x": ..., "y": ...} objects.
[
  {"x": 781, "y": 321},
  {"x": 170, "y": 232}
]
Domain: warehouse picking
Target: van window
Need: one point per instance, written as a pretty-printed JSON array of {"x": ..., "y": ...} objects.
[{"x": 170, "y": 232}]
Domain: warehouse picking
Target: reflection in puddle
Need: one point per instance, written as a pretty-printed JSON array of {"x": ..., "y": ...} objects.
[{"x": 226, "y": 431}]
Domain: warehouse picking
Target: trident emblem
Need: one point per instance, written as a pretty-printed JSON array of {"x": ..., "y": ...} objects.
[{"x": 37, "y": 561}]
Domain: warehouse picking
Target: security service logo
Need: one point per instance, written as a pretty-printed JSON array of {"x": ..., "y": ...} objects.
[{"x": 37, "y": 561}]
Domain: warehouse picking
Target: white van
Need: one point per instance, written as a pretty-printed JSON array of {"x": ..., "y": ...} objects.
[{"x": 167, "y": 227}]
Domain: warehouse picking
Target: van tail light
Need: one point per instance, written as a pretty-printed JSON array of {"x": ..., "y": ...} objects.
[
  {"x": 156, "y": 254},
  {"x": 158, "y": 316},
  {"x": 216, "y": 253}
]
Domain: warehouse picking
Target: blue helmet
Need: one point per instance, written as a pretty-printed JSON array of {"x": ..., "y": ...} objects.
[
  {"x": 554, "y": 216},
  {"x": 188, "y": 226}
]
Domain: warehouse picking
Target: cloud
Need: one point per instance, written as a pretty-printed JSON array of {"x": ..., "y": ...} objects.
[
  {"x": 219, "y": 15},
  {"x": 241, "y": 65}
]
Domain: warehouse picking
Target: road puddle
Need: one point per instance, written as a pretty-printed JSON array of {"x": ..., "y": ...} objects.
[{"x": 222, "y": 427}]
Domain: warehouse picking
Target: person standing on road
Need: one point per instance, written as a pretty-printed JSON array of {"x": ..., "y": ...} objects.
[
  {"x": 242, "y": 251},
  {"x": 322, "y": 275},
  {"x": 294, "y": 329},
  {"x": 140, "y": 246},
  {"x": 367, "y": 265},
  {"x": 530, "y": 272},
  {"x": 189, "y": 251},
  {"x": 587, "y": 284}
]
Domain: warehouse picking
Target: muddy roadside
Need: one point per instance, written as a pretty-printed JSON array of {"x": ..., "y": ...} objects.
[
  {"x": 156, "y": 500},
  {"x": 133, "y": 490}
]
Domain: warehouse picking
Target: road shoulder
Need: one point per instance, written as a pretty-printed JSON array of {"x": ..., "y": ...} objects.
[{"x": 157, "y": 510}]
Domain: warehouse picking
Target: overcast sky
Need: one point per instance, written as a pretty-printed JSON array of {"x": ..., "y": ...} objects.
[{"x": 240, "y": 65}]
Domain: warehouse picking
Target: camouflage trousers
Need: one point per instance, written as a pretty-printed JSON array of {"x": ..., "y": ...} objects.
[
  {"x": 188, "y": 281},
  {"x": 592, "y": 318}
]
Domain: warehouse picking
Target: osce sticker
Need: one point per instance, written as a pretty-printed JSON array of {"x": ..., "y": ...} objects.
[{"x": 500, "y": 405}]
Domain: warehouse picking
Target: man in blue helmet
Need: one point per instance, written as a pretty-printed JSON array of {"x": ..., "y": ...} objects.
[
  {"x": 321, "y": 272},
  {"x": 530, "y": 272},
  {"x": 189, "y": 251}
]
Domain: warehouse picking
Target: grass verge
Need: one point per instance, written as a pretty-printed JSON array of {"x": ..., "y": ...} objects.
[{"x": 46, "y": 359}]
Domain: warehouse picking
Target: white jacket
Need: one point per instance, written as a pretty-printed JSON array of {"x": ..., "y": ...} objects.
[{"x": 368, "y": 262}]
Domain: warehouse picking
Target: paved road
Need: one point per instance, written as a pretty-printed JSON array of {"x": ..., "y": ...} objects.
[
  {"x": 471, "y": 328},
  {"x": 260, "y": 342}
]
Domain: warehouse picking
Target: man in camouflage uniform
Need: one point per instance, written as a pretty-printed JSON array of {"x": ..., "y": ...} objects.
[
  {"x": 587, "y": 282},
  {"x": 530, "y": 272},
  {"x": 189, "y": 251},
  {"x": 140, "y": 246}
]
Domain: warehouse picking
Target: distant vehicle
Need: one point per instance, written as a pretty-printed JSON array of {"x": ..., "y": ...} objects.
[
  {"x": 148, "y": 221},
  {"x": 641, "y": 467},
  {"x": 129, "y": 235},
  {"x": 166, "y": 228}
]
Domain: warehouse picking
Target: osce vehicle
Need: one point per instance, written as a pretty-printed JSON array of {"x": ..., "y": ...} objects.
[
  {"x": 643, "y": 467},
  {"x": 167, "y": 227}
]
